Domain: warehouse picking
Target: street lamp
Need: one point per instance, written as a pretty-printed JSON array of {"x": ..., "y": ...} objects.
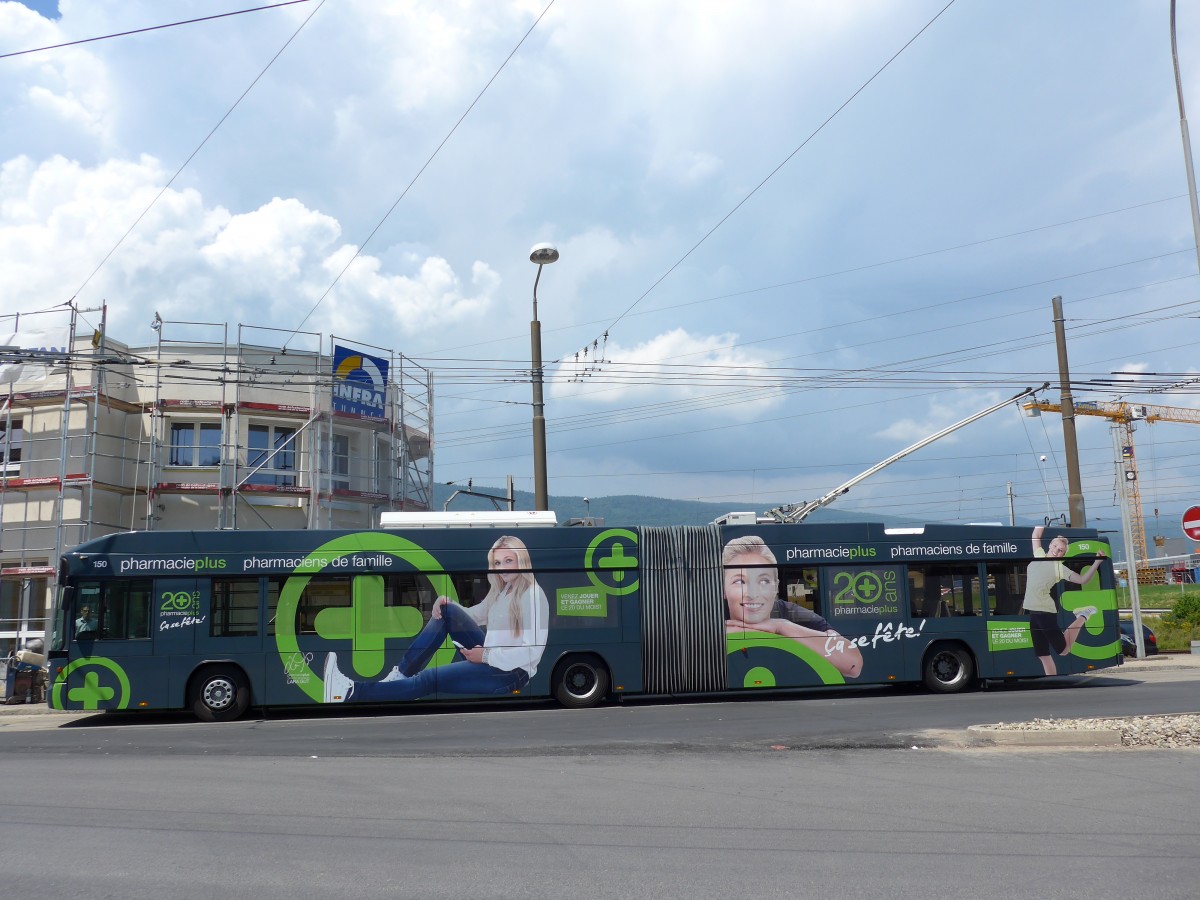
[{"x": 540, "y": 255}]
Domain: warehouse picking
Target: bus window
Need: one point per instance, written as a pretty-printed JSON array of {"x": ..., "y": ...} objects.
[
  {"x": 409, "y": 589},
  {"x": 1006, "y": 588},
  {"x": 58, "y": 637},
  {"x": 799, "y": 590},
  {"x": 937, "y": 590},
  {"x": 274, "y": 588},
  {"x": 124, "y": 609},
  {"x": 234, "y": 607},
  {"x": 321, "y": 593}
]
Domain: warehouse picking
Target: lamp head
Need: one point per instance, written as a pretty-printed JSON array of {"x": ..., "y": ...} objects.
[
  {"x": 543, "y": 254},
  {"x": 156, "y": 323}
]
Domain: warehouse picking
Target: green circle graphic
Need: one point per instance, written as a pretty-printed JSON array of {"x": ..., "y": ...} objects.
[
  {"x": 286, "y": 641},
  {"x": 103, "y": 662},
  {"x": 594, "y": 576},
  {"x": 876, "y": 583},
  {"x": 822, "y": 667}
]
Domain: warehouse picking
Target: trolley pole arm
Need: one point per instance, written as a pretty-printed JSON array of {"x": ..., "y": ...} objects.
[{"x": 798, "y": 512}]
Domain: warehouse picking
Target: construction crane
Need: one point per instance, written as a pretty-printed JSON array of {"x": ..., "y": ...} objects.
[{"x": 1125, "y": 414}]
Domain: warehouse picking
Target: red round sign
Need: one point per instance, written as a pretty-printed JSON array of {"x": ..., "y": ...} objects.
[{"x": 1191, "y": 523}]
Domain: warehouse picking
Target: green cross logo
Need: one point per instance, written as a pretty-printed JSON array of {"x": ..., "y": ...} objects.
[
  {"x": 367, "y": 623},
  {"x": 610, "y": 561},
  {"x": 90, "y": 694}
]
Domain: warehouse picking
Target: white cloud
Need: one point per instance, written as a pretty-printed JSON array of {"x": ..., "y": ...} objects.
[
  {"x": 942, "y": 414},
  {"x": 65, "y": 94},
  {"x": 676, "y": 366},
  {"x": 192, "y": 262}
]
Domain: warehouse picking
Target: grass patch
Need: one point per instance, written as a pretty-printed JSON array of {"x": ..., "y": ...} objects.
[
  {"x": 1157, "y": 596},
  {"x": 1172, "y": 637},
  {"x": 1171, "y": 633}
]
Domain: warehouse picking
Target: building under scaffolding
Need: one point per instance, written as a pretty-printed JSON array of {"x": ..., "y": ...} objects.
[{"x": 210, "y": 427}]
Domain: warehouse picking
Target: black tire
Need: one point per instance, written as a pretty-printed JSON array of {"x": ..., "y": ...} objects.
[
  {"x": 220, "y": 694},
  {"x": 949, "y": 669},
  {"x": 580, "y": 682}
]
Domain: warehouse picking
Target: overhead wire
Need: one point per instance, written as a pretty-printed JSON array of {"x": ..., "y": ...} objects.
[
  {"x": 775, "y": 171},
  {"x": 199, "y": 147},
  {"x": 362, "y": 246},
  {"x": 132, "y": 31}
]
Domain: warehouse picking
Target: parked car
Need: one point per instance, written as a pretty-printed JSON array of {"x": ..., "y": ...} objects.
[{"x": 1129, "y": 645}]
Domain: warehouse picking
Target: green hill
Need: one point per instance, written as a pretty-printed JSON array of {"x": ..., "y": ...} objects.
[{"x": 634, "y": 509}]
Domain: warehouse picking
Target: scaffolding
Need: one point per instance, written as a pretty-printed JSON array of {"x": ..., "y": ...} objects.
[{"x": 196, "y": 431}]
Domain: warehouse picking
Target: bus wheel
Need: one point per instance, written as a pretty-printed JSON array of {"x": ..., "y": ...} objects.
[
  {"x": 948, "y": 669},
  {"x": 580, "y": 682},
  {"x": 220, "y": 694}
]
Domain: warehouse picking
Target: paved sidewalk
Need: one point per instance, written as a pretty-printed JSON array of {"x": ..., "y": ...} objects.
[{"x": 1158, "y": 662}]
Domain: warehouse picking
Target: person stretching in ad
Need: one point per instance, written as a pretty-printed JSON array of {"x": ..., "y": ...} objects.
[
  {"x": 1044, "y": 575},
  {"x": 752, "y": 603},
  {"x": 500, "y": 640}
]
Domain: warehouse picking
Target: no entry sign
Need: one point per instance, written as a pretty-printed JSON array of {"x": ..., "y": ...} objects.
[{"x": 1191, "y": 523}]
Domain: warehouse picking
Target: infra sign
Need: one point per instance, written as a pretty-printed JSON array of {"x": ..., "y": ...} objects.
[{"x": 1191, "y": 523}]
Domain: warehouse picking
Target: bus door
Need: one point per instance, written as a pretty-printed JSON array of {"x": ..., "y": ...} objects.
[
  {"x": 1009, "y": 638},
  {"x": 112, "y": 662},
  {"x": 947, "y": 602},
  {"x": 227, "y": 623},
  {"x": 866, "y": 612}
]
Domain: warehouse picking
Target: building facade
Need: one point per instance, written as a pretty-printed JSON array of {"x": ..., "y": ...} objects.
[{"x": 210, "y": 427}]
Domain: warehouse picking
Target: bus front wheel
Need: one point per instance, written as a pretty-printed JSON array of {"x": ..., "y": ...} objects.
[
  {"x": 948, "y": 669},
  {"x": 580, "y": 682},
  {"x": 220, "y": 694}
]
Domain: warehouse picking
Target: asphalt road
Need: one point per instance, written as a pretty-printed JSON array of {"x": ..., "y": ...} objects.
[
  {"x": 886, "y": 717},
  {"x": 819, "y": 795}
]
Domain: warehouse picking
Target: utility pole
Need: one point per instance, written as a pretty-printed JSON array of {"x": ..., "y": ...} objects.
[
  {"x": 1070, "y": 444},
  {"x": 1187, "y": 141}
]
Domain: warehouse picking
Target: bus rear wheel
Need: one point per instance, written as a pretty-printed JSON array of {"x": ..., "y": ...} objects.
[
  {"x": 220, "y": 694},
  {"x": 580, "y": 682},
  {"x": 948, "y": 670}
]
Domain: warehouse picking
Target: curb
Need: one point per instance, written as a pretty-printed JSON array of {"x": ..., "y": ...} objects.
[{"x": 1078, "y": 737}]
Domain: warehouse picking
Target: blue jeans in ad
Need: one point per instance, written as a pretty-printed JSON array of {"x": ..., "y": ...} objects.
[{"x": 459, "y": 677}]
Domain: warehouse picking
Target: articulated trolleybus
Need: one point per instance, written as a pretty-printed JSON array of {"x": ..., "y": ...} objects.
[{"x": 464, "y": 606}]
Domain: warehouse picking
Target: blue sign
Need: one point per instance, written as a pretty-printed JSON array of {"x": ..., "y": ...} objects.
[{"x": 359, "y": 383}]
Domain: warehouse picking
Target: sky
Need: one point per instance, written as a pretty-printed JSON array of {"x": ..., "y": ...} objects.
[{"x": 796, "y": 236}]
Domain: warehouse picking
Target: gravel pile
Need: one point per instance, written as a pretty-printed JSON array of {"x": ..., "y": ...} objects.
[{"x": 1136, "y": 731}]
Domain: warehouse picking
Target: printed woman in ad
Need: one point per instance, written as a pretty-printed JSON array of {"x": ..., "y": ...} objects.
[
  {"x": 752, "y": 603},
  {"x": 500, "y": 640},
  {"x": 1045, "y": 578}
]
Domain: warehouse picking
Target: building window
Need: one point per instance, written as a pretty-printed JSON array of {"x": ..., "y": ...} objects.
[
  {"x": 383, "y": 467},
  {"x": 195, "y": 444},
  {"x": 10, "y": 605},
  {"x": 272, "y": 451},
  {"x": 339, "y": 462},
  {"x": 11, "y": 437}
]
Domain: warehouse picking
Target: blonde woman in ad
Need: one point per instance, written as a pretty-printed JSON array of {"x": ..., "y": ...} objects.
[
  {"x": 752, "y": 603},
  {"x": 500, "y": 640}
]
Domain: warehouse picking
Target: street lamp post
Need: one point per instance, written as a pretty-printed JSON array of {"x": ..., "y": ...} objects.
[{"x": 540, "y": 255}]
